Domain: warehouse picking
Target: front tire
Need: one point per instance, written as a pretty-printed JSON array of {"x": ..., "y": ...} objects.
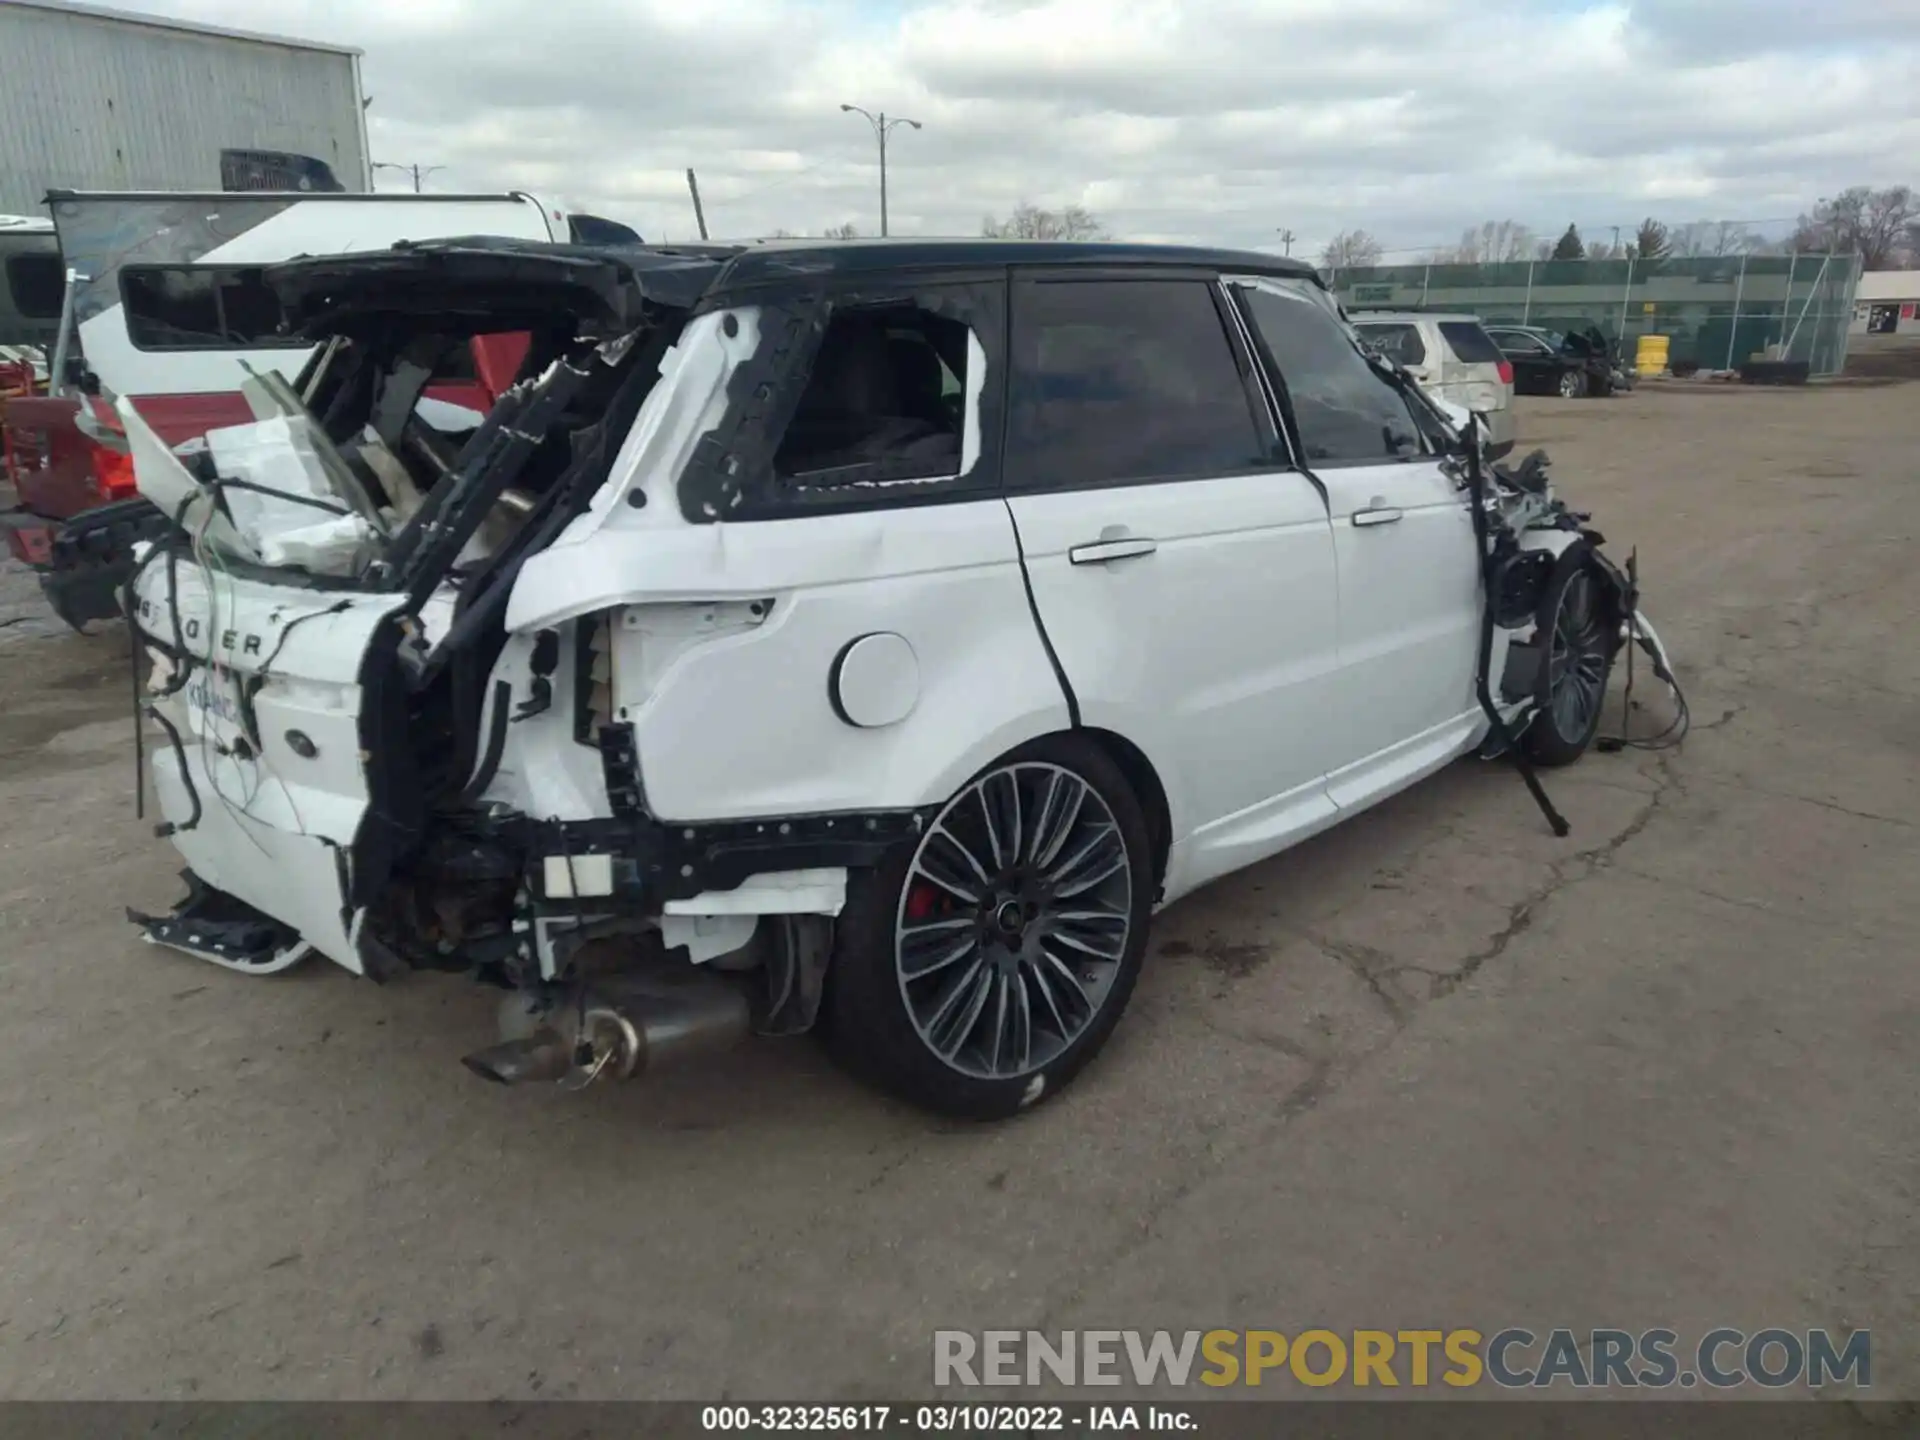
[
  {"x": 1573, "y": 385},
  {"x": 978, "y": 969},
  {"x": 1572, "y": 687}
]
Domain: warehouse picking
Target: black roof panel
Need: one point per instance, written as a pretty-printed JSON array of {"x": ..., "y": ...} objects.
[
  {"x": 489, "y": 279},
  {"x": 769, "y": 261},
  {"x": 478, "y": 283}
]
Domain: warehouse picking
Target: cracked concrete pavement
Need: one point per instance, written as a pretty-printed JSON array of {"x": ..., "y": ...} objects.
[{"x": 1435, "y": 1068}]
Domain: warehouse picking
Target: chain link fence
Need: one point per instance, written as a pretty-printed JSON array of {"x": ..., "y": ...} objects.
[{"x": 1717, "y": 311}]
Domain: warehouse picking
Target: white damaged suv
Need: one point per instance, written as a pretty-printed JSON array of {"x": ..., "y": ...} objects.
[{"x": 862, "y": 637}]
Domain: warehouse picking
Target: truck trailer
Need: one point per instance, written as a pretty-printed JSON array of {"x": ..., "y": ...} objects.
[{"x": 100, "y": 99}]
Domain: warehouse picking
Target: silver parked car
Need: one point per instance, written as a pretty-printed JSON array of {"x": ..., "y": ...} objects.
[{"x": 1452, "y": 358}]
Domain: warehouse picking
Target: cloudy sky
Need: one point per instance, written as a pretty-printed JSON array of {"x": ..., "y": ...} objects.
[{"x": 1210, "y": 120}]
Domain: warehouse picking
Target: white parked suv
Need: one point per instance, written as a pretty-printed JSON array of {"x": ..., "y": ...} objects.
[
  {"x": 1452, "y": 357},
  {"x": 863, "y": 637}
]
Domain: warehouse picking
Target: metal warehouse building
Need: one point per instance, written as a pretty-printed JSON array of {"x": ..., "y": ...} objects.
[
  {"x": 98, "y": 99},
  {"x": 1717, "y": 311}
]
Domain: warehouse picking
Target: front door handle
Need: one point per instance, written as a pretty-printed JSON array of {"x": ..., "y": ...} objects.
[
  {"x": 1099, "y": 552},
  {"x": 1379, "y": 515}
]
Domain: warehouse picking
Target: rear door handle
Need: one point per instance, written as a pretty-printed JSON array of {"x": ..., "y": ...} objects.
[
  {"x": 1100, "y": 552},
  {"x": 1379, "y": 515}
]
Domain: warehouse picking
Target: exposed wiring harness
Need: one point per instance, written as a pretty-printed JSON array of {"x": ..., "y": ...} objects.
[
  {"x": 211, "y": 741},
  {"x": 1675, "y": 731},
  {"x": 1639, "y": 638}
]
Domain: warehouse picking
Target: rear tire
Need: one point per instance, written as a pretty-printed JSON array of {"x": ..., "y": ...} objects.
[
  {"x": 1571, "y": 691},
  {"x": 977, "y": 970}
]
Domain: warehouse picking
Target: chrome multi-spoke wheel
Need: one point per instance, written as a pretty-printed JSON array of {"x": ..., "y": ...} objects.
[
  {"x": 977, "y": 969},
  {"x": 1014, "y": 920},
  {"x": 1577, "y": 659}
]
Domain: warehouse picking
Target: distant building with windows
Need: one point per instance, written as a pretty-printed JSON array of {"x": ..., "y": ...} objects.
[{"x": 1887, "y": 303}]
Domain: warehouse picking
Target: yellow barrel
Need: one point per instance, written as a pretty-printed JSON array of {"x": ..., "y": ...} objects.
[{"x": 1650, "y": 358}]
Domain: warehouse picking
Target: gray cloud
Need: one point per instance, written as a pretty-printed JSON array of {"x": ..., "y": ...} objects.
[{"x": 1216, "y": 120}]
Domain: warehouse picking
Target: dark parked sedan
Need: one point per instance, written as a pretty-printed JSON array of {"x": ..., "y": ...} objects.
[{"x": 1546, "y": 362}]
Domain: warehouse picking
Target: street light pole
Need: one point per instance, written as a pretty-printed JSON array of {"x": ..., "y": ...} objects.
[
  {"x": 415, "y": 171},
  {"x": 882, "y": 127}
]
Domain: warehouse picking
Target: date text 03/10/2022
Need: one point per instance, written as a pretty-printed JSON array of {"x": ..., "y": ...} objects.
[{"x": 944, "y": 1419}]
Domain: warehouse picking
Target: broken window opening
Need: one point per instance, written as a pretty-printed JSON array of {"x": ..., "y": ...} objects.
[{"x": 885, "y": 400}]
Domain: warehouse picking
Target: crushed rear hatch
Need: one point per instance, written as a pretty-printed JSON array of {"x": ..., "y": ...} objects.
[{"x": 325, "y": 610}]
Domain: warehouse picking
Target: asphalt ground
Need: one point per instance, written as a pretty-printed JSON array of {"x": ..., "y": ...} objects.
[{"x": 1436, "y": 1068}]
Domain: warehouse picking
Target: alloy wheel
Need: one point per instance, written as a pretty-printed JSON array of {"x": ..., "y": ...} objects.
[
  {"x": 1576, "y": 661},
  {"x": 1014, "y": 920}
]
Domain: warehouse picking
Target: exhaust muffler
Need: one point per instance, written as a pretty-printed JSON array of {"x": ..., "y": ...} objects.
[{"x": 619, "y": 1027}]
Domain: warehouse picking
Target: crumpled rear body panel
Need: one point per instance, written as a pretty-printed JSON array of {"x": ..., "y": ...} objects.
[{"x": 260, "y": 766}]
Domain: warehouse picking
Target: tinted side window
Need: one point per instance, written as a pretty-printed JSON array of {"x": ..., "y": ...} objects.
[
  {"x": 1346, "y": 412},
  {"x": 1119, "y": 380},
  {"x": 1469, "y": 343},
  {"x": 37, "y": 284},
  {"x": 201, "y": 307},
  {"x": 585, "y": 229}
]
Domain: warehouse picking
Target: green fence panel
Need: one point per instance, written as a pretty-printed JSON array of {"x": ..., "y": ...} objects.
[{"x": 1709, "y": 307}]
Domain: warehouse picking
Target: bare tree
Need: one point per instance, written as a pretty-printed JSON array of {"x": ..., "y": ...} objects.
[
  {"x": 1491, "y": 242},
  {"x": 1873, "y": 224},
  {"x": 1809, "y": 236},
  {"x": 1684, "y": 242},
  {"x": 1031, "y": 222},
  {"x": 1350, "y": 250},
  {"x": 844, "y": 231},
  {"x": 1711, "y": 237}
]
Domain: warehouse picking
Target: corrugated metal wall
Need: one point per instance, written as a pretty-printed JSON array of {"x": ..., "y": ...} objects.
[{"x": 96, "y": 104}]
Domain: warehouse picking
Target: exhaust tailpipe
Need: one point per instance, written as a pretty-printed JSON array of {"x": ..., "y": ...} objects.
[
  {"x": 620, "y": 1027},
  {"x": 543, "y": 1056}
]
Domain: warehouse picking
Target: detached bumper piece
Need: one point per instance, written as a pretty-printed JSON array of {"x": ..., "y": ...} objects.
[
  {"x": 91, "y": 557},
  {"x": 212, "y": 925}
]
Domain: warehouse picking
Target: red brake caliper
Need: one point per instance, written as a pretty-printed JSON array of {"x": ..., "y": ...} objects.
[{"x": 925, "y": 899}]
